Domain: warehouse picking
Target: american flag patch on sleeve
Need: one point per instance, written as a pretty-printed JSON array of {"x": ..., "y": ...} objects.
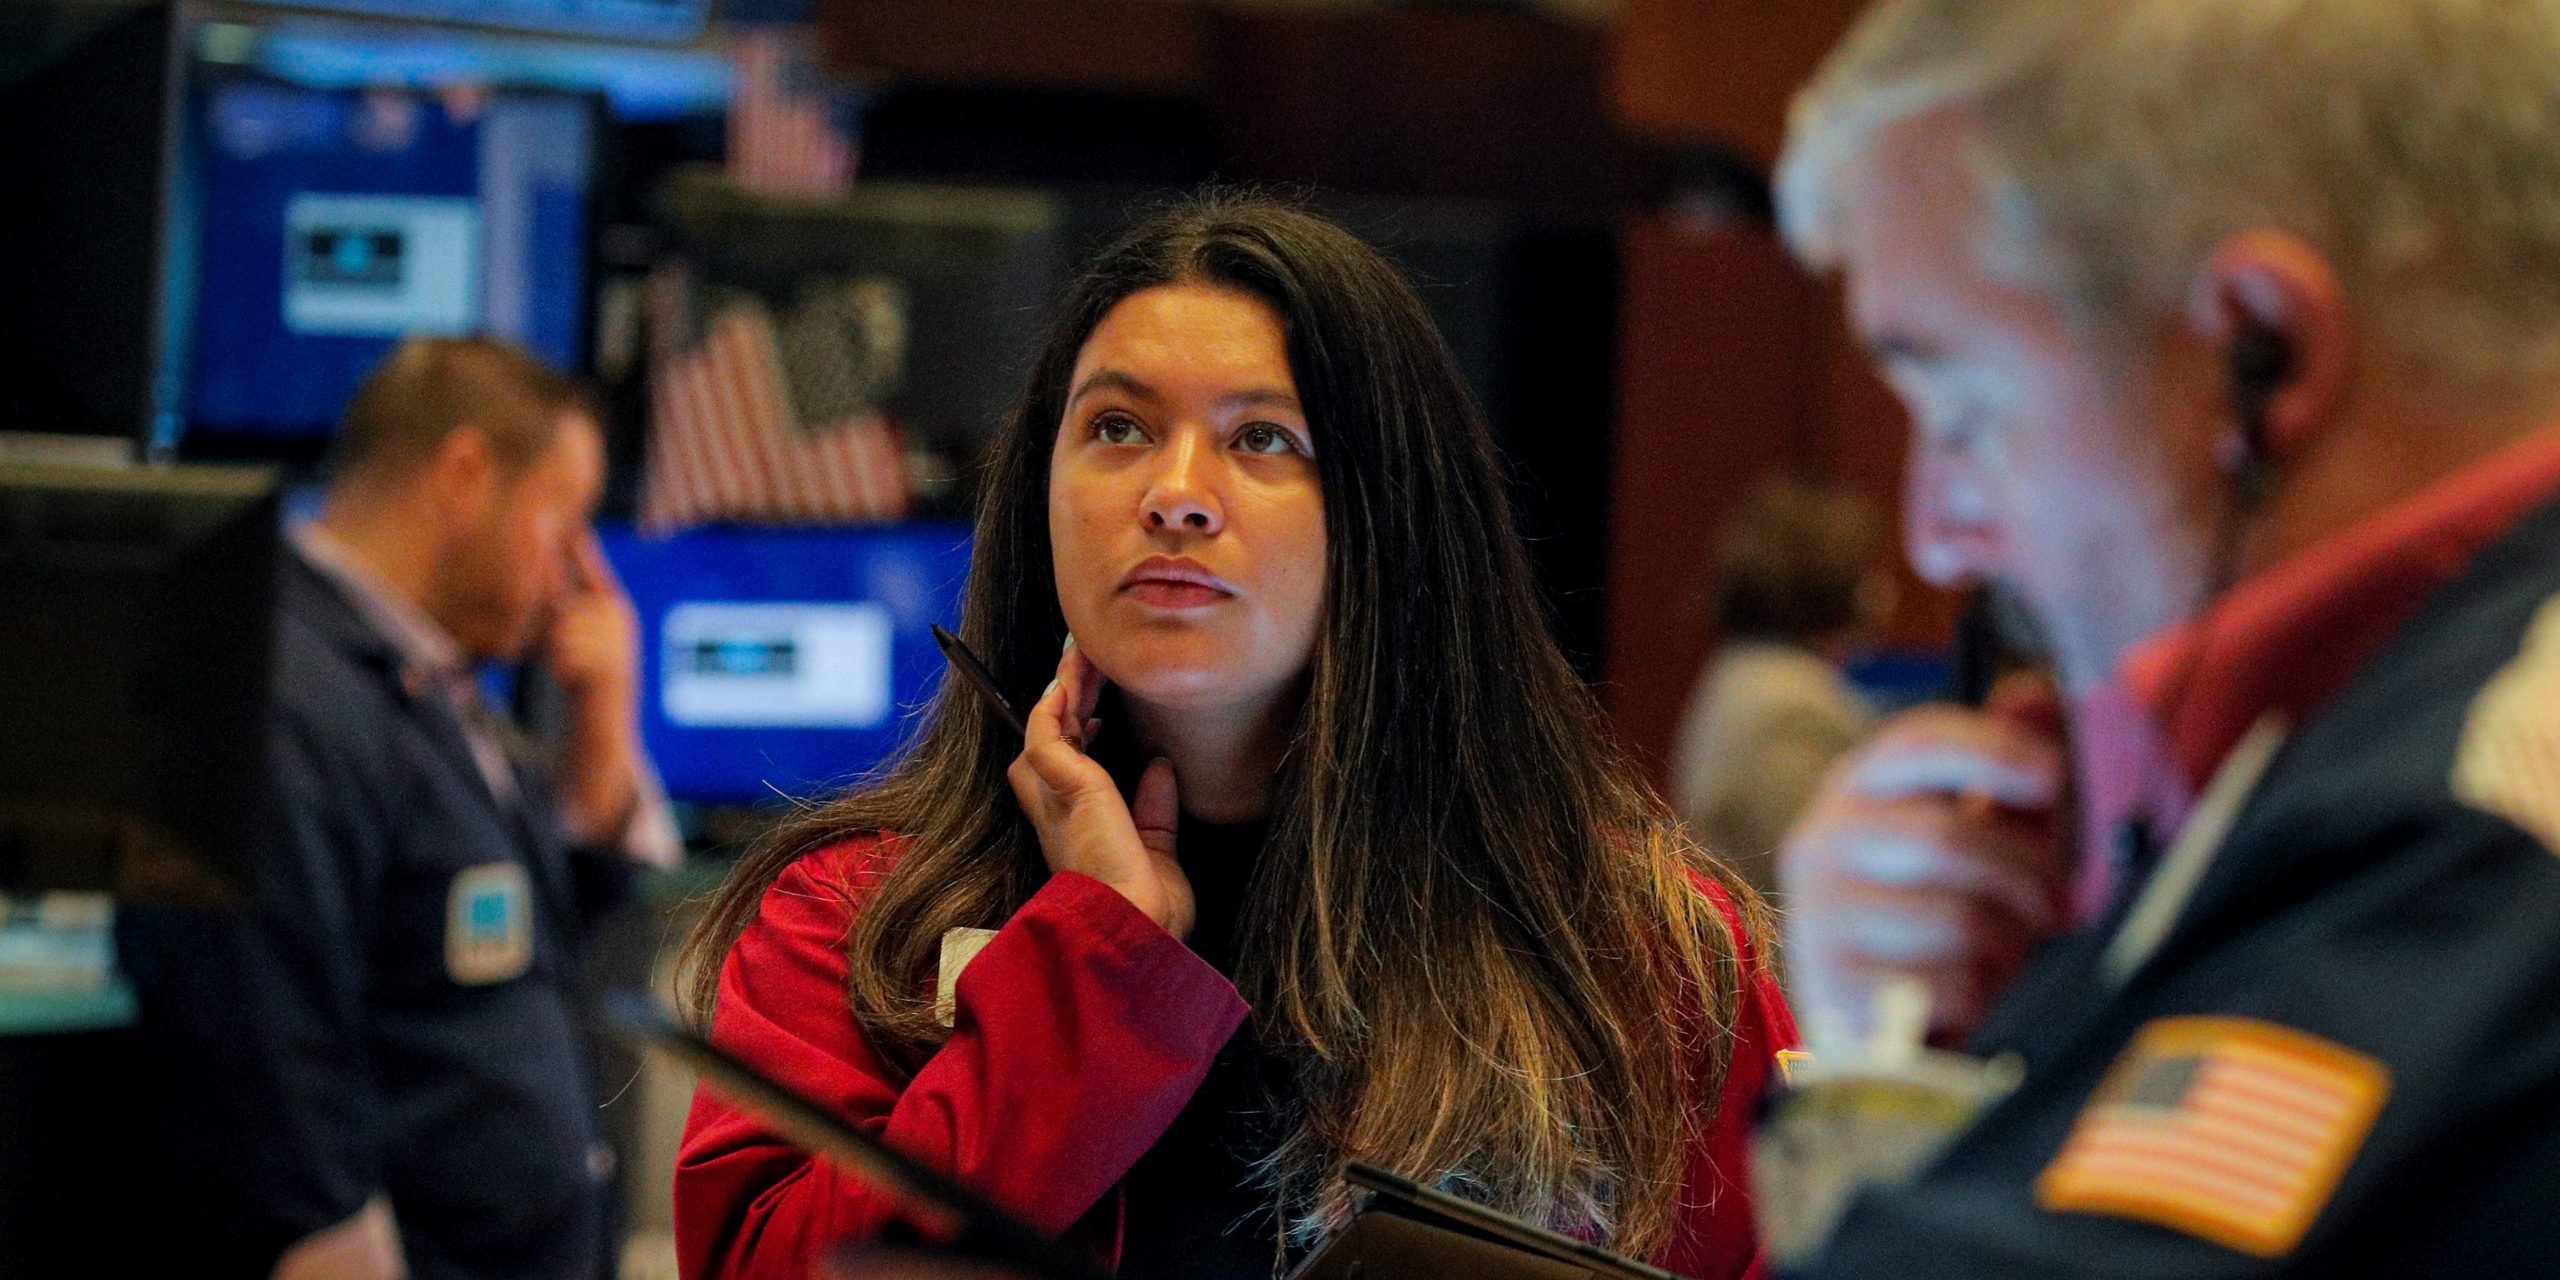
[{"x": 2229, "y": 1129}]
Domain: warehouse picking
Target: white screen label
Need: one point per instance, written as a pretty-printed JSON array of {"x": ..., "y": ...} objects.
[
  {"x": 812, "y": 666},
  {"x": 381, "y": 266}
]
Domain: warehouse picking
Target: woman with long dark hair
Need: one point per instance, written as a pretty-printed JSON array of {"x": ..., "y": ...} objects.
[{"x": 1315, "y": 849}]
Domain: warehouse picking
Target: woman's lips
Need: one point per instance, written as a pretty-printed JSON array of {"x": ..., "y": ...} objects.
[
  {"x": 1165, "y": 594},
  {"x": 1174, "y": 582}
]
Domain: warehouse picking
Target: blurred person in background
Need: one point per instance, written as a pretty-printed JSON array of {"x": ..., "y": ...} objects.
[
  {"x": 1793, "y": 591},
  {"x": 1315, "y": 850},
  {"x": 378, "y": 1067},
  {"x": 2229, "y": 334}
]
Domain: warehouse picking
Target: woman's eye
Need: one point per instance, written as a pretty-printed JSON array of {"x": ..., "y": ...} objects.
[
  {"x": 1264, "y": 438},
  {"x": 1116, "y": 428}
]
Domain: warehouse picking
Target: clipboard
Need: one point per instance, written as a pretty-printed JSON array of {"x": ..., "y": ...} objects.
[{"x": 1407, "y": 1231}]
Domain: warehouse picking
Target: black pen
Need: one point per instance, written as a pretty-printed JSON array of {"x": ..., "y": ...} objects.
[{"x": 975, "y": 672}]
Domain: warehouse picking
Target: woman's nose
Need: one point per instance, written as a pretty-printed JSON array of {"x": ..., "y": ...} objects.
[{"x": 1184, "y": 492}]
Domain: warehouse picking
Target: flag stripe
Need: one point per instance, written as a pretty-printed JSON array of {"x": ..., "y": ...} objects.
[
  {"x": 2165, "y": 1175},
  {"x": 722, "y": 482},
  {"x": 759, "y": 380},
  {"x": 713, "y": 477},
  {"x": 729, "y": 408},
  {"x": 2256, "y": 1065},
  {"x": 2258, "y": 1141},
  {"x": 860, "y": 444},
  {"x": 2261, "y": 1176},
  {"x": 2250, "y": 1096},
  {"x": 827, "y": 467},
  {"x": 738, "y": 382}
]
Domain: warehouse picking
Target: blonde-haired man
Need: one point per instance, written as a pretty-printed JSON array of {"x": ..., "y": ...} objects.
[{"x": 2230, "y": 334}]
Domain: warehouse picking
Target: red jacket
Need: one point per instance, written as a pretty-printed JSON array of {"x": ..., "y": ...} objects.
[{"x": 1082, "y": 1031}]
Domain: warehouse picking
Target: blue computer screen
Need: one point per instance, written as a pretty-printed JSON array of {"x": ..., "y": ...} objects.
[
  {"x": 785, "y": 660},
  {"x": 651, "y": 19},
  {"x": 335, "y": 222}
]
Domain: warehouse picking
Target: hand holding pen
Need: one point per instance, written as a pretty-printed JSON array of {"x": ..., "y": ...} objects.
[{"x": 1084, "y": 824}]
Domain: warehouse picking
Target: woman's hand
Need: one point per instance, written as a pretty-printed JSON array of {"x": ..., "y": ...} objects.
[{"x": 1084, "y": 825}]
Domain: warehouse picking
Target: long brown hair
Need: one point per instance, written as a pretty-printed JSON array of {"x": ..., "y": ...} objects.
[{"x": 1472, "y": 938}]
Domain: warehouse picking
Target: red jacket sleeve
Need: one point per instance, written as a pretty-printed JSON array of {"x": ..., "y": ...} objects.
[
  {"x": 1081, "y": 1031},
  {"x": 1716, "y": 1238}
]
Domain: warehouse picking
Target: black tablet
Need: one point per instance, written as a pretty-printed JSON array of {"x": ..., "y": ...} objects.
[{"x": 1405, "y": 1229}]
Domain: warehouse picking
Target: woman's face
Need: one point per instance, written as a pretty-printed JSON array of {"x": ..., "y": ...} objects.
[{"x": 1185, "y": 519}]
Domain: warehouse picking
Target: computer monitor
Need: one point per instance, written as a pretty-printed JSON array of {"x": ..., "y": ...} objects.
[
  {"x": 784, "y": 662},
  {"x": 84, "y": 177},
  {"x": 136, "y": 616},
  {"x": 633, "y": 19},
  {"x": 334, "y": 222}
]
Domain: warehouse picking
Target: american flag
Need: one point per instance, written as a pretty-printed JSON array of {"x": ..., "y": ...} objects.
[
  {"x": 784, "y": 136},
  {"x": 725, "y": 441},
  {"x": 2229, "y": 1129}
]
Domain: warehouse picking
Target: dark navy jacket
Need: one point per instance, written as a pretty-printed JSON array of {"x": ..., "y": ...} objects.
[
  {"x": 320, "y": 1049},
  {"x": 2357, "y": 899}
]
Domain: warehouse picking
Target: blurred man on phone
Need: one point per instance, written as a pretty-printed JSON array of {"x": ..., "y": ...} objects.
[{"x": 378, "y": 1068}]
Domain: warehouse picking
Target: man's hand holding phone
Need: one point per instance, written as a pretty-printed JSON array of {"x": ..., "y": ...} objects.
[{"x": 1935, "y": 852}]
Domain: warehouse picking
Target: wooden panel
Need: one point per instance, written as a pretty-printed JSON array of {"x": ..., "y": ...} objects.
[
  {"x": 1733, "y": 366},
  {"x": 1128, "y": 45},
  {"x": 1722, "y": 70},
  {"x": 1461, "y": 103},
  {"x": 1717, "y": 387},
  {"x": 1453, "y": 103}
]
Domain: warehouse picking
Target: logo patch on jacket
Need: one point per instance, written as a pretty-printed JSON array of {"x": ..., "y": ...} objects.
[
  {"x": 2229, "y": 1129},
  {"x": 2509, "y": 760},
  {"x": 488, "y": 924}
]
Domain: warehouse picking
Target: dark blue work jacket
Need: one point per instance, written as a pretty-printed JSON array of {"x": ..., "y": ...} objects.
[
  {"x": 397, "y": 1015},
  {"x": 2356, "y": 899}
]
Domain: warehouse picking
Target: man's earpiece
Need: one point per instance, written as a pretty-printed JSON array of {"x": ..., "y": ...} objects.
[{"x": 2261, "y": 363}]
